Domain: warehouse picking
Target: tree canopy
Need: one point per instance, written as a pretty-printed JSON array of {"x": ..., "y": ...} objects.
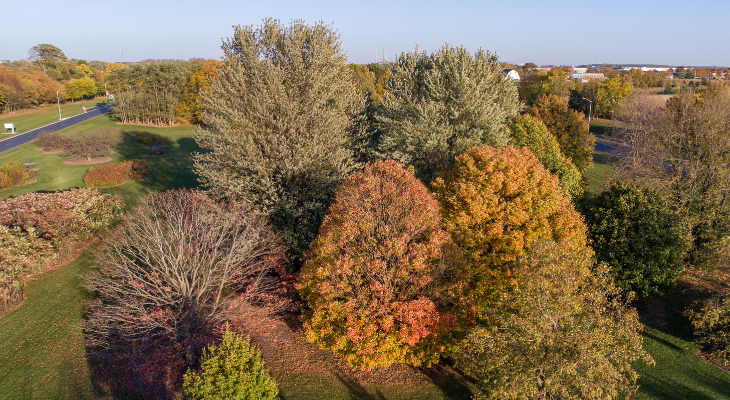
[
  {"x": 377, "y": 278},
  {"x": 277, "y": 125},
  {"x": 495, "y": 203},
  {"x": 439, "y": 105},
  {"x": 564, "y": 334}
]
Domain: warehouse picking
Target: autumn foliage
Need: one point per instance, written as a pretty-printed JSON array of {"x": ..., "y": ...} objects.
[
  {"x": 13, "y": 173},
  {"x": 116, "y": 174},
  {"x": 38, "y": 229},
  {"x": 375, "y": 279},
  {"x": 495, "y": 203}
]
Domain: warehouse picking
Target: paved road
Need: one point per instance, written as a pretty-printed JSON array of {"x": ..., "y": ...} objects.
[{"x": 23, "y": 138}]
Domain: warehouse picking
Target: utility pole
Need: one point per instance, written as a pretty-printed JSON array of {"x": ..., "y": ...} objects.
[{"x": 59, "y": 103}]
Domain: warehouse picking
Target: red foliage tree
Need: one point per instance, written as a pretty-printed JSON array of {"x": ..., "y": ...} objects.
[{"x": 376, "y": 278}]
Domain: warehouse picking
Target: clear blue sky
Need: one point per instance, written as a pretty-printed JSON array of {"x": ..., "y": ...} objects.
[{"x": 544, "y": 32}]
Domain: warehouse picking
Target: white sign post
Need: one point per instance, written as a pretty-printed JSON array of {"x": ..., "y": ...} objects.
[{"x": 11, "y": 127}]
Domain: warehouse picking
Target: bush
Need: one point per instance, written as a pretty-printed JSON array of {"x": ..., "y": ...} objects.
[
  {"x": 231, "y": 370},
  {"x": 54, "y": 141},
  {"x": 495, "y": 203},
  {"x": 632, "y": 230},
  {"x": 83, "y": 144},
  {"x": 14, "y": 173},
  {"x": 375, "y": 278},
  {"x": 116, "y": 174},
  {"x": 39, "y": 228},
  {"x": 711, "y": 321},
  {"x": 151, "y": 140},
  {"x": 179, "y": 266},
  {"x": 529, "y": 132},
  {"x": 564, "y": 334}
]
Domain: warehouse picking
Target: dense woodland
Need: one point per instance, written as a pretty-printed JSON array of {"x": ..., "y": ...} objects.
[{"x": 423, "y": 212}]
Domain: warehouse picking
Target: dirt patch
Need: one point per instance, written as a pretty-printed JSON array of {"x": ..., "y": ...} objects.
[
  {"x": 152, "y": 125},
  {"x": 88, "y": 161},
  {"x": 286, "y": 351}
]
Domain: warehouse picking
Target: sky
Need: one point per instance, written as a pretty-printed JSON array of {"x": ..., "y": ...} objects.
[{"x": 555, "y": 32}]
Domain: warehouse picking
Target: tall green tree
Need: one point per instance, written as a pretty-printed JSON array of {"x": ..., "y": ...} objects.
[
  {"x": 277, "y": 125},
  {"x": 529, "y": 132},
  {"x": 568, "y": 126},
  {"x": 46, "y": 56},
  {"x": 440, "y": 105},
  {"x": 635, "y": 234},
  {"x": 610, "y": 93},
  {"x": 149, "y": 93}
]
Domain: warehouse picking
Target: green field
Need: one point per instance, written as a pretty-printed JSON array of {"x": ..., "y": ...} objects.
[
  {"x": 27, "y": 120},
  {"x": 42, "y": 354},
  {"x": 170, "y": 171}
]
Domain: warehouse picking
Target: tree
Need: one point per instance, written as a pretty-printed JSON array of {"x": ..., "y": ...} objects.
[
  {"x": 565, "y": 334},
  {"x": 610, "y": 94},
  {"x": 231, "y": 370},
  {"x": 148, "y": 93},
  {"x": 277, "y": 125},
  {"x": 80, "y": 88},
  {"x": 529, "y": 132},
  {"x": 46, "y": 56},
  {"x": 640, "y": 240},
  {"x": 569, "y": 127},
  {"x": 189, "y": 106},
  {"x": 495, "y": 203},
  {"x": 177, "y": 267},
  {"x": 440, "y": 105},
  {"x": 376, "y": 278},
  {"x": 682, "y": 151}
]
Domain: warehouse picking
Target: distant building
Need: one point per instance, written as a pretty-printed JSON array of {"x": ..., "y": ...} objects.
[
  {"x": 511, "y": 74},
  {"x": 580, "y": 70},
  {"x": 586, "y": 76}
]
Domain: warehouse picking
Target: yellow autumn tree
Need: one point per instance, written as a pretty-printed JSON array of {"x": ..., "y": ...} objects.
[{"x": 495, "y": 202}]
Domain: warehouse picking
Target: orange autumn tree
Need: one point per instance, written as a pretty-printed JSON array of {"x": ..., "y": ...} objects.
[
  {"x": 376, "y": 279},
  {"x": 495, "y": 202}
]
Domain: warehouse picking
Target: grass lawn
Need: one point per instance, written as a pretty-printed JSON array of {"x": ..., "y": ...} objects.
[
  {"x": 42, "y": 353},
  {"x": 598, "y": 175},
  {"x": 27, "y": 120}
]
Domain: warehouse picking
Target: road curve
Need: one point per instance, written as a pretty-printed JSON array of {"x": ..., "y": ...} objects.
[{"x": 23, "y": 138}]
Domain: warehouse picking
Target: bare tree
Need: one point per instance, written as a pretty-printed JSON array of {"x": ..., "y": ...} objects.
[
  {"x": 176, "y": 268},
  {"x": 683, "y": 151}
]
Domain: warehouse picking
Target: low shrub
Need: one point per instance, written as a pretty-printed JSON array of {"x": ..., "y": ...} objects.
[
  {"x": 231, "y": 370},
  {"x": 711, "y": 320},
  {"x": 151, "y": 140},
  {"x": 13, "y": 173},
  {"x": 115, "y": 174},
  {"x": 86, "y": 144},
  {"x": 37, "y": 229}
]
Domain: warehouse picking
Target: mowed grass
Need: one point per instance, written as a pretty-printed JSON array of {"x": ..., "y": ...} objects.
[
  {"x": 599, "y": 174},
  {"x": 27, "y": 120},
  {"x": 42, "y": 352}
]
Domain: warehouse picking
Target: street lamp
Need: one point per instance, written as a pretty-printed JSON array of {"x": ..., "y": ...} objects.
[
  {"x": 58, "y": 100},
  {"x": 590, "y": 108}
]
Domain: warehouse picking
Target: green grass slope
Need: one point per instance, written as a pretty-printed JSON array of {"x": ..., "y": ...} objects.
[{"x": 42, "y": 353}]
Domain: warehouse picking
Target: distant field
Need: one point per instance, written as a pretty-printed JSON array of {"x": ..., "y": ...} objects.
[{"x": 27, "y": 120}]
